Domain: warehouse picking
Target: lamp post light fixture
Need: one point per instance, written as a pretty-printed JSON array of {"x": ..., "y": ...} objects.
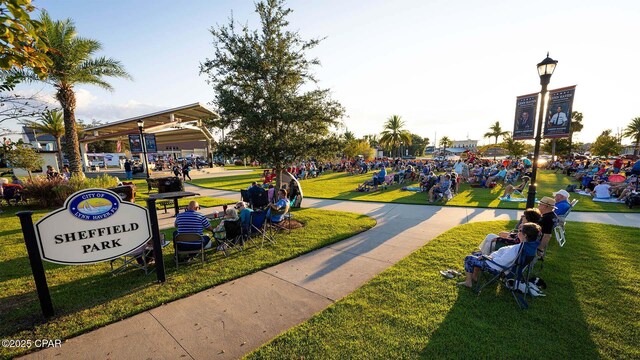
[
  {"x": 545, "y": 70},
  {"x": 144, "y": 146}
]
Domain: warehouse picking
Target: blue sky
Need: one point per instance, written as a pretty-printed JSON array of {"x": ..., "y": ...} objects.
[{"x": 447, "y": 67}]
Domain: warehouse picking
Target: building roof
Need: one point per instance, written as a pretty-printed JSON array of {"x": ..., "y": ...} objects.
[
  {"x": 182, "y": 123},
  {"x": 31, "y": 135}
]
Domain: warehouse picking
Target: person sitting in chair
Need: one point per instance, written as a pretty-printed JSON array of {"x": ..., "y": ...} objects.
[
  {"x": 509, "y": 189},
  {"x": 562, "y": 202},
  {"x": 441, "y": 188},
  {"x": 493, "y": 241},
  {"x": 192, "y": 222},
  {"x": 505, "y": 256},
  {"x": 276, "y": 211},
  {"x": 219, "y": 233},
  {"x": 244, "y": 212}
]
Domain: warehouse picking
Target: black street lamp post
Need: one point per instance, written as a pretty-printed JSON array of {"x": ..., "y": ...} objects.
[
  {"x": 545, "y": 70},
  {"x": 144, "y": 146}
]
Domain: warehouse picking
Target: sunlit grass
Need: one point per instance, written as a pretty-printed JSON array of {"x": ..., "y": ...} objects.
[
  {"x": 410, "y": 311},
  {"x": 341, "y": 186},
  {"x": 86, "y": 297}
]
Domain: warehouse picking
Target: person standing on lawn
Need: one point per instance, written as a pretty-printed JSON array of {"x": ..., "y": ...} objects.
[{"x": 127, "y": 169}]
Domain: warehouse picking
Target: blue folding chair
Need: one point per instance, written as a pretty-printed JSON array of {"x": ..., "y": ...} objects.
[{"x": 515, "y": 278}]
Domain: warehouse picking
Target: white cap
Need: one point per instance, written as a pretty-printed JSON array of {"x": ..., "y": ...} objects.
[{"x": 562, "y": 192}]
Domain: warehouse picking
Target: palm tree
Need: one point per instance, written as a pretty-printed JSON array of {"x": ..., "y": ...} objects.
[
  {"x": 394, "y": 135},
  {"x": 73, "y": 63},
  {"x": 52, "y": 123},
  {"x": 496, "y": 131},
  {"x": 445, "y": 142},
  {"x": 514, "y": 148},
  {"x": 348, "y": 136},
  {"x": 633, "y": 131},
  {"x": 576, "y": 126}
]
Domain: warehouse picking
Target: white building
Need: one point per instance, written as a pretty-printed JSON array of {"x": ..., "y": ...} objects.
[{"x": 466, "y": 144}]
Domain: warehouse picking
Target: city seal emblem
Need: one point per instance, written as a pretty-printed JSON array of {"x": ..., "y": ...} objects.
[{"x": 94, "y": 205}]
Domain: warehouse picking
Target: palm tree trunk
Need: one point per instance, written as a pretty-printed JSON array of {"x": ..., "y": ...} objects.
[
  {"x": 67, "y": 99},
  {"x": 60, "y": 163},
  {"x": 570, "y": 143},
  {"x": 636, "y": 150}
]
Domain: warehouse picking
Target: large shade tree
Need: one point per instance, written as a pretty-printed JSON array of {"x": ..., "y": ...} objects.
[
  {"x": 606, "y": 144},
  {"x": 393, "y": 136},
  {"x": 52, "y": 123},
  {"x": 495, "y": 131},
  {"x": 632, "y": 131},
  {"x": 73, "y": 63},
  {"x": 263, "y": 87}
]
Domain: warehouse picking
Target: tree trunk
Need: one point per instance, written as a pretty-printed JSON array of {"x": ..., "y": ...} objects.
[
  {"x": 553, "y": 150},
  {"x": 635, "y": 151},
  {"x": 60, "y": 164},
  {"x": 570, "y": 143},
  {"x": 67, "y": 99},
  {"x": 278, "y": 177}
]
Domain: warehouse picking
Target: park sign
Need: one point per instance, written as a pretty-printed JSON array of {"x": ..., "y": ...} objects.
[{"x": 93, "y": 226}]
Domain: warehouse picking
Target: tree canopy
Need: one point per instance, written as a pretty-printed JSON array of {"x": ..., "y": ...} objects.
[
  {"x": 50, "y": 123},
  {"x": 496, "y": 131},
  {"x": 21, "y": 44},
  {"x": 394, "y": 135},
  {"x": 606, "y": 144},
  {"x": 73, "y": 63},
  {"x": 632, "y": 131},
  {"x": 25, "y": 157},
  {"x": 264, "y": 89}
]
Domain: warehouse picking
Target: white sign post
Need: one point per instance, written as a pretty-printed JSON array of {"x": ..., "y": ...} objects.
[{"x": 93, "y": 226}]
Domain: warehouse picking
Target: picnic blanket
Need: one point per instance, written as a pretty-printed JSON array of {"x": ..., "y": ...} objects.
[
  {"x": 582, "y": 192},
  {"x": 608, "y": 200},
  {"x": 515, "y": 199},
  {"x": 412, "y": 188}
]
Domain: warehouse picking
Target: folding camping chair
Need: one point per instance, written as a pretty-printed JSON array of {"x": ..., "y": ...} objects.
[
  {"x": 138, "y": 258},
  {"x": 196, "y": 241},
  {"x": 258, "y": 199},
  {"x": 244, "y": 196},
  {"x": 233, "y": 237},
  {"x": 258, "y": 227},
  {"x": 283, "y": 224},
  {"x": 515, "y": 278},
  {"x": 558, "y": 230}
]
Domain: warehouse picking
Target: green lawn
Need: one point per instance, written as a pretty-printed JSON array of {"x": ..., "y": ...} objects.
[
  {"x": 592, "y": 308},
  {"x": 341, "y": 186},
  {"x": 86, "y": 297}
]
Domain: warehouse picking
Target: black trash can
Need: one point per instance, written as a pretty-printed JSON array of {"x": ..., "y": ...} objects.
[
  {"x": 170, "y": 184},
  {"x": 126, "y": 192}
]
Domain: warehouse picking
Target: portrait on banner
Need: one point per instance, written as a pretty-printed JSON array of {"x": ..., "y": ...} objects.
[
  {"x": 523, "y": 127},
  {"x": 558, "y": 119}
]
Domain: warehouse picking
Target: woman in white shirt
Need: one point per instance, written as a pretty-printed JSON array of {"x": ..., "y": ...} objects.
[{"x": 505, "y": 256}]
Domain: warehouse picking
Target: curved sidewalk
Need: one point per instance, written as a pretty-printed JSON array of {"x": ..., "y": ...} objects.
[{"x": 232, "y": 319}]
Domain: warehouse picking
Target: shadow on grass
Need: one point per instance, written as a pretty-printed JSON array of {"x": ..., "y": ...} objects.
[{"x": 582, "y": 282}]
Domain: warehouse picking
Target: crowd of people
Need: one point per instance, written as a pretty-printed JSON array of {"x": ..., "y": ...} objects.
[{"x": 601, "y": 179}]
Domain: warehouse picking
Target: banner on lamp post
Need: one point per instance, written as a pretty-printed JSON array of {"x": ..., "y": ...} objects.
[
  {"x": 558, "y": 119},
  {"x": 135, "y": 145},
  {"x": 526, "y": 105}
]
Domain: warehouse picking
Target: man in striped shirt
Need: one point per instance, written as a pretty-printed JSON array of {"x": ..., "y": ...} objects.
[{"x": 192, "y": 222}]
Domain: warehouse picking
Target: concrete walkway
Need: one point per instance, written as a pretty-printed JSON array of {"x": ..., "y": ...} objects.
[{"x": 232, "y": 319}]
